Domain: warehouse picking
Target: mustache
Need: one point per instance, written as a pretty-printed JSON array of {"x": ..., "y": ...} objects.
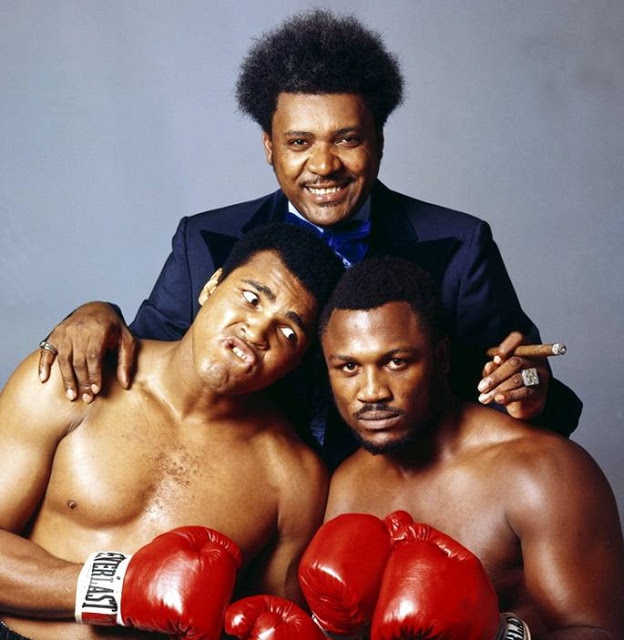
[{"x": 378, "y": 407}]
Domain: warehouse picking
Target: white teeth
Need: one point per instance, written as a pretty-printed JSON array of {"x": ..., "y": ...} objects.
[
  {"x": 238, "y": 353},
  {"x": 323, "y": 191}
]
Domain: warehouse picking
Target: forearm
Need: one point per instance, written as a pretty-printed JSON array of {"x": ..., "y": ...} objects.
[
  {"x": 34, "y": 583},
  {"x": 172, "y": 304},
  {"x": 485, "y": 311},
  {"x": 562, "y": 411}
]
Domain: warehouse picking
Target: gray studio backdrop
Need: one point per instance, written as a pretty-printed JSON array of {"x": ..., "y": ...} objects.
[{"x": 117, "y": 117}]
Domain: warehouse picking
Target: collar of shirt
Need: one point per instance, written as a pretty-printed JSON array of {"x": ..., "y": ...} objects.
[{"x": 363, "y": 213}]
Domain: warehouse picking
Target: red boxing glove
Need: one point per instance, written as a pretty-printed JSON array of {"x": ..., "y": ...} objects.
[
  {"x": 396, "y": 522},
  {"x": 269, "y": 618},
  {"x": 433, "y": 587},
  {"x": 179, "y": 584},
  {"x": 340, "y": 572}
]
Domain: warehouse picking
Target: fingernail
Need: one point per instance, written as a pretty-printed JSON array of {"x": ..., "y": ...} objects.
[
  {"x": 95, "y": 389},
  {"x": 484, "y": 398},
  {"x": 484, "y": 385},
  {"x": 497, "y": 359},
  {"x": 86, "y": 398},
  {"x": 41, "y": 376},
  {"x": 71, "y": 394}
]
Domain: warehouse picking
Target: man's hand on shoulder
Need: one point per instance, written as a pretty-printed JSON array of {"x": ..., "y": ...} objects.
[{"x": 79, "y": 344}]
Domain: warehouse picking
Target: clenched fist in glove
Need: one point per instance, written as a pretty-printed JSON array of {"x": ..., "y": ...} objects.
[
  {"x": 433, "y": 587},
  {"x": 340, "y": 572},
  {"x": 269, "y": 618},
  {"x": 179, "y": 584}
]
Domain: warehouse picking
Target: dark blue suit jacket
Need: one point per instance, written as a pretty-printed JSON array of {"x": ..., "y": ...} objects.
[{"x": 479, "y": 300}]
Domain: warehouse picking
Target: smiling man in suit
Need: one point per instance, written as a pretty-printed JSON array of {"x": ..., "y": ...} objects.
[{"x": 321, "y": 87}]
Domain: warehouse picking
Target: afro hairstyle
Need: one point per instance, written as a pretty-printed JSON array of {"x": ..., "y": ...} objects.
[{"x": 317, "y": 52}]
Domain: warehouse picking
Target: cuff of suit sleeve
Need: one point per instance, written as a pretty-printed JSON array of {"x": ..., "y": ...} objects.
[{"x": 562, "y": 410}]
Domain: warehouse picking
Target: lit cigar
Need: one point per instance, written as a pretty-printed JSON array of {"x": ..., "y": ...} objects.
[{"x": 534, "y": 350}]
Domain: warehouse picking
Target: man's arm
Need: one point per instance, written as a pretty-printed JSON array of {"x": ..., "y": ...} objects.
[
  {"x": 178, "y": 584},
  {"x": 303, "y": 491},
  {"x": 83, "y": 338},
  {"x": 33, "y": 421},
  {"x": 565, "y": 516},
  {"x": 488, "y": 311}
]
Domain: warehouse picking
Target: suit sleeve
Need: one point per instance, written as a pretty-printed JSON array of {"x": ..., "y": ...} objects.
[
  {"x": 488, "y": 310},
  {"x": 169, "y": 310}
]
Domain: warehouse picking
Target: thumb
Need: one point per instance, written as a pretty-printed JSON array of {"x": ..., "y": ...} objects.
[{"x": 125, "y": 357}]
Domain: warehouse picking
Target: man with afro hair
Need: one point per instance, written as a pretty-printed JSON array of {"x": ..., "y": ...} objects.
[
  {"x": 322, "y": 86},
  {"x": 316, "y": 53}
]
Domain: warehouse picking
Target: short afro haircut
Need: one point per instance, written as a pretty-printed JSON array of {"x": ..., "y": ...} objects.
[
  {"x": 318, "y": 52},
  {"x": 375, "y": 282},
  {"x": 305, "y": 255}
]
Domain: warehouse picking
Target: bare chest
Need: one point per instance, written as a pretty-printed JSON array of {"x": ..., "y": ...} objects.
[
  {"x": 458, "y": 501},
  {"x": 124, "y": 478}
]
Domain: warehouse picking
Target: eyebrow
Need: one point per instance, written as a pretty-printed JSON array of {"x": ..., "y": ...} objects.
[
  {"x": 338, "y": 132},
  {"x": 384, "y": 356},
  {"x": 268, "y": 292}
]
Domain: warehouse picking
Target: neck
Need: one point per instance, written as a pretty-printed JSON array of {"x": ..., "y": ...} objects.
[
  {"x": 437, "y": 439},
  {"x": 176, "y": 383}
]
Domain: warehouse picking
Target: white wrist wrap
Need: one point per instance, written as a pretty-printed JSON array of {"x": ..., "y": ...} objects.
[
  {"x": 512, "y": 628},
  {"x": 98, "y": 592}
]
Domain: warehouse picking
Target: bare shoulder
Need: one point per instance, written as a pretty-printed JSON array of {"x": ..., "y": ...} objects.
[
  {"x": 29, "y": 406},
  {"x": 24, "y": 378},
  {"x": 299, "y": 479},
  {"x": 292, "y": 465},
  {"x": 348, "y": 484},
  {"x": 519, "y": 445},
  {"x": 358, "y": 465},
  {"x": 542, "y": 473},
  {"x": 537, "y": 454},
  {"x": 34, "y": 419}
]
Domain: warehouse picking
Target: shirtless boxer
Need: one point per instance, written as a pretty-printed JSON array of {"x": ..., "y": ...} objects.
[
  {"x": 193, "y": 442},
  {"x": 533, "y": 506}
]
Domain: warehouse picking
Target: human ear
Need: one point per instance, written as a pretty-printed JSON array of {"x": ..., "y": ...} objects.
[
  {"x": 268, "y": 147},
  {"x": 210, "y": 286}
]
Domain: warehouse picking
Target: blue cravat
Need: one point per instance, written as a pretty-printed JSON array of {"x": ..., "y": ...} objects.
[{"x": 349, "y": 240}]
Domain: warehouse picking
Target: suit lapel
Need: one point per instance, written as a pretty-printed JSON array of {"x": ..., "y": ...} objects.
[
  {"x": 271, "y": 209},
  {"x": 394, "y": 233}
]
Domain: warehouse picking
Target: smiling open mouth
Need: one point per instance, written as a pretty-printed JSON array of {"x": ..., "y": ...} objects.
[
  {"x": 324, "y": 191},
  {"x": 239, "y": 352}
]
